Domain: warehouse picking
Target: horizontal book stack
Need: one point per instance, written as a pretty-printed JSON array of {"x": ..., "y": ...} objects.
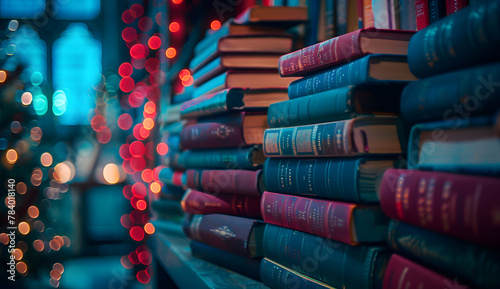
[
  {"x": 445, "y": 207},
  {"x": 328, "y": 147},
  {"x": 220, "y": 159}
]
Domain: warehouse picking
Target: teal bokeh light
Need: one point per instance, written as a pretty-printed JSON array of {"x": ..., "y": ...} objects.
[{"x": 40, "y": 104}]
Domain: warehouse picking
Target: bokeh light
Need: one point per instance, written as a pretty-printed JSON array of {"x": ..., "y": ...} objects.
[
  {"x": 38, "y": 245},
  {"x": 126, "y": 69},
  {"x": 137, "y": 233},
  {"x": 215, "y": 25},
  {"x": 171, "y": 52},
  {"x": 154, "y": 42},
  {"x": 111, "y": 173},
  {"x": 33, "y": 212},
  {"x": 24, "y": 228},
  {"x": 174, "y": 27},
  {"x": 26, "y": 98},
  {"x": 11, "y": 156},
  {"x": 3, "y": 76},
  {"x": 149, "y": 229},
  {"x": 125, "y": 121},
  {"x": 46, "y": 159}
]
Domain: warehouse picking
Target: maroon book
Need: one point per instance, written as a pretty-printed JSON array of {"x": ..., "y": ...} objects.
[
  {"x": 241, "y": 129},
  {"x": 403, "y": 273},
  {"x": 197, "y": 202},
  {"x": 238, "y": 182},
  {"x": 422, "y": 11},
  {"x": 344, "y": 48},
  {"x": 453, "y": 6},
  {"x": 240, "y": 236},
  {"x": 462, "y": 206},
  {"x": 349, "y": 223}
]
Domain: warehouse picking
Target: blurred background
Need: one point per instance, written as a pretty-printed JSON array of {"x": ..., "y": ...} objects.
[{"x": 82, "y": 83}]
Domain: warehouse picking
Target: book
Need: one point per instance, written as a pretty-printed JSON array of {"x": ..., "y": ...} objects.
[
  {"x": 235, "y": 61},
  {"x": 461, "y": 206},
  {"x": 453, "y": 6},
  {"x": 235, "y": 130},
  {"x": 344, "y": 48},
  {"x": 167, "y": 209},
  {"x": 407, "y": 15},
  {"x": 337, "y": 264},
  {"x": 383, "y": 14},
  {"x": 341, "y": 17},
  {"x": 245, "y": 158},
  {"x": 472, "y": 263},
  {"x": 172, "y": 114},
  {"x": 174, "y": 128},
  {"x": 358, "y": 136},
  {"x": 255, "y": 79},
  {"x": 236, "y": 235},
  {"x": 276, "y": 275},
  {"x": 367, "y": 11},
  {"x": 185, "y": 95},
  {"x": 336, "y": 104},
  {"x": 422, "y": 13},
  {"x": 241, "y": 44},
  {"x": 245, "y": 266},
  {"x": 229, "y": 28},
  {"x": 197, "y": 202},
  {"x": 464, "y": 145},
  {"x": 403, "y": 273},
  {"x": 345, "y": 222},
  {"x": 275, "y": 15},
  {"x": 241, "y": 182},
  {"x": 478, "y": 46},
  {"x": 437, "y": 10},
  {"x": 170, "y": 176},
  {"x": 453, "y": 95},
  {"x": 354, "y": 180},
  {"x": 232, "y": 100},
  {"x": 376, "y": 69}
]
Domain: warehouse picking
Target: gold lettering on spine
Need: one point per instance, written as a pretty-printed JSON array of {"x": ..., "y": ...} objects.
[
  {"x": 446, "y": 207},
  {"x": 428, "y": 201},
  {"x": 314, "y": 139},
  {"x": 421, "y": 200},
  {"x": 294, "y": 142}
]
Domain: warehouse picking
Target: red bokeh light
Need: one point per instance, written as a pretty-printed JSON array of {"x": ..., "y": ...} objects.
[
  {"x": 125, "y": 69},
  {"x": 150, "y": 108},
  {"x": 147, "y": 175},
  {"x": 98, "y": 122},
  {"x": 139, "y": 51},
  {"x": 137, "y": 131},
  {"x": 136, "y": 99},
  {"x": 157, "y": 77},
  {"x": 158, "y": 18},
  {"x": 127, "y": 17},
  {"x": 141, "y": 205},
  {"x": 125, "y": 261},
  {"x": 133, "y": 258},
  {"x": 124, "y": 152},
  {"x": 152, "y": 64},
  {"x": 162, "y": 149},
  {"x": 144, "y": 132},
  {"x": 127, "y": 191},
  {"x": 154, "y": 42},
  {"x": 143, "y": 277},
  {"x": 171, "y": 52},
  {"x": 127, "y": 84},
  {"x": 145, "y": 23},
  {"x": 139, "y": 190},
  {"x": 127, "y": 168},
  {"x": 183, "y": 73},
  {"x": 149, "y": 150},
  {"x": 126, "y": 221},
  {"x": 187, "y": 81},
  {"x": 153, "y": 92},
  {"x": 145, "y": 257},
  {"x": 174, "y": 27},
  {"x": 137, "y": 149},
  {"x": 138, "y": 63},
  {"x": 215, "y": 25},
  {"x": 137, "y": 233},
  {"x": 136, "y": 10},
  {"x": 138, "y": 163},
  {"x": 129, "y": 34},
  {"x": 156, "y": 173},
  {"x": 125, "y": 121},
  {"x": 176, "y": 1},
  {"x": 104, "y": 136}
]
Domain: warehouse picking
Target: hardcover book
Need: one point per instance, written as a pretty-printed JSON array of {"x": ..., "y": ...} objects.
[
  {"x": 276, "y": 15},
  {"x": 344, "y": 48},
  {"x": 348, "y": 223},
  {"x": 241, "y": 182},
  {"x": 358, "y": 136},
  {"x": 337, "y": 264},
  {"x": 376, "y": 69},
  {"x": 248, "y": 158},
  {"x": 354, "y": 180},
  {"x": 236, "y": 235},
  {"x": 236, "y": 130},
  {"x": 337, "y": 104},
  {"x": 461, "y": 206},
  {"x": 197, "y": 202},
  {"x": 232, "y": 100}
]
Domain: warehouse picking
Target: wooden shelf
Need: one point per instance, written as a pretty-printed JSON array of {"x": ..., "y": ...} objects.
[{"x": 174, "y": 255}]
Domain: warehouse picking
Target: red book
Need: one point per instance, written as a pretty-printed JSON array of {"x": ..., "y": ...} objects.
[
  {"x": 453, "y": 6},
  {"x": 344, "y": 222},
  {"x": 197, "y": 202},
  {"x": 240, "y": 129},
  {"x": 240, "y": 182},
  {"x": 403, "y": 273},
  {"x": 344, "y": 48},
  {"x": 462, "y": 206},
  {"x": 422, "y": 11}
]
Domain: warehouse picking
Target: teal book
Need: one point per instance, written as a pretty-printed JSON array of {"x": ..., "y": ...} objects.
[
  {"x": 336, "y": 104},
  {"x": 334, "y": 263},
  {"x": 227, "y": 158},
  {"x": 453, "y": 257},
  {"x": 463, "y": 145},
  {"x": 466, "y": 38},
  {"x": 278, "y": 276},
  {"x": 373, "y": 68}
]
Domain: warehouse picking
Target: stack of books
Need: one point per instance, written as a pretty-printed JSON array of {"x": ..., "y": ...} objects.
[
  {"x": 220, "y": 159},
  {"x": 328, "y": 147},
  {"x": 446, "y": 207}
]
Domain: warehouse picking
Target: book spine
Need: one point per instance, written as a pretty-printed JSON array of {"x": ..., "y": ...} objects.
[
  {"x": 353, "y": 73},
  {"x": 381, "y": 14},
  {"x": 329, "y": 19},
  {"x": 246, "y": 266},
  {"x": 219, "y": 132},
  {"x": 422, "y": 13},
  {"x": 172, "y": 177},
  {"x": 437, "y": 10},
  {"x": 327, "y": 219},
  {"x": 205, "y": 105},
  {"x": 452, "y": 96},
  {"x": 453, "y": 6},
  {"x": 327, "y": 139},
  {"x": 197, "y": 202},
  {"x": 457, "y": 205},
  {"x": 215, "y": 182},
  {"x": 321, "y": 107},
  {"x": 337, "y": 264},
  {"x": 228, "y": 158},
  {"x": 335, "y": 179},
  {"x": 330, "y": 52},
  {"x": 444, "y": 46},
  {"x": 368, "y": 21},
  {"x": 402, "y": 273},
  {"x": 474, "y": 264},
  {"x": 223, "y": 232},
  {"x": 341, "y": 19},
  {"x": 275, "y": 275}
]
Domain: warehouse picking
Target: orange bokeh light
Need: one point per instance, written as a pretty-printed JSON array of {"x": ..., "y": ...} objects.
[
  {"x": 174, "y": 27},
  {"x": 171, "y": 52},
  {"x": 215, "y": 25}
]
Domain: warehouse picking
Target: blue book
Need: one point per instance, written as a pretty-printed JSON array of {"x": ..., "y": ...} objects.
[
  {"x": 374, "y": 68},
  {"x": 463, "y": 145},
  {"x": 227, "y": 158}
]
